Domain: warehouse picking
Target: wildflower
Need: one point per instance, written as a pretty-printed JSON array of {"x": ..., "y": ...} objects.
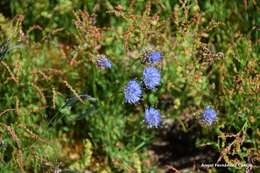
[
  {"x": 154, "y": 57},
  {"x": 209, "y": 115},
  {"x": 151, "y": 77},
  {"x": 152, "y": 117},
  {"x": 103, "y": 62},
  {"x": 132, "y": 92}
]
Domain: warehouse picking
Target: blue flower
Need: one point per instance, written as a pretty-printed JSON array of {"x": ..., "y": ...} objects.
[
  {"x": 103, "y": 62},
  {"x": 209, "y": 115},
  {"x": 154, "y": 57},
  {"x": 132, "y": 92},
  {"x": 151, "y": 77},
  {"x": 152, "y": 117}
]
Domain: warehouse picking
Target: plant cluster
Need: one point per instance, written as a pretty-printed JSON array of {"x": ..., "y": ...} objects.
[{"x": 77, "y": 94}]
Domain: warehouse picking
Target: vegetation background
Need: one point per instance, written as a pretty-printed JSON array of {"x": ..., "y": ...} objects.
[{"x": 211, "y": 56}]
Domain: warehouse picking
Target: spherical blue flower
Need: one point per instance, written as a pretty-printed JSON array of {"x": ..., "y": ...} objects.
[
  {"x": 209, "y": 115},
  {"x": 152, "y": 117},
  {"x": 154, "y": 57},
  {"x": 133, "y": 92},
  {"x": 151, "y": 77},
  {"x": 103, "y": 62}
]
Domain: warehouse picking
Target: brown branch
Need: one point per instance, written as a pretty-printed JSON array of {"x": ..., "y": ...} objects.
[
  {"x": 172, "y": 168},
  {"x": 5, "y": 111}
]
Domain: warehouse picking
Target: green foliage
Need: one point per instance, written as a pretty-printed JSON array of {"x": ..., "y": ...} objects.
[{"x": 58, "y": 110}]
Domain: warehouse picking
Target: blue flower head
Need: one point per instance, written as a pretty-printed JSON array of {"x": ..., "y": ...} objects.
[
  {"x": 103, "y": 62},
  {"x": 154, "y": 57},
  {"x": 152, "y": 117},
  {"x": 132, "y": 92},
  {"x": 151, "y": 77},
  {"x": 209, "y": 115}
]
